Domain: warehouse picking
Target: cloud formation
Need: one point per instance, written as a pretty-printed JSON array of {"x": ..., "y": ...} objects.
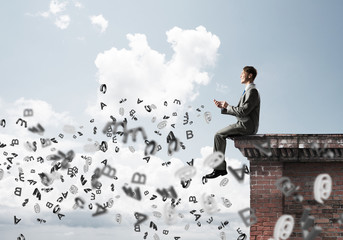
[
  {"x": 143, "y": 72},
  {"x": 55, "y": 11},
  {"x": 62, "y": 22},
  {"x": 56, "y": 7},
  {"x": 99, "y": 21},
  {"x": 42, "y": 112},
  {"x": 126, "y": 164}
]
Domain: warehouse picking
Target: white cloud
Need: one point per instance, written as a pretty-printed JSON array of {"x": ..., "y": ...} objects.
[
  {"x": 44, "y": 14},
  {"x": 62, "y": 22},
  {"x": 126, "y": 164},
  {"x": 197, "y": 48},
  {"x": 34, "y": 112},
  {"x": 57, "y": 7},
  {"x": 100, "y": 21},
  {"x": 78, "y": 5},
  {"x": 142, "y": 72}
]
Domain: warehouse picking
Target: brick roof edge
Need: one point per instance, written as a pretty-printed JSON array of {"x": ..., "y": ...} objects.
[{"x": 291, "y": 147}]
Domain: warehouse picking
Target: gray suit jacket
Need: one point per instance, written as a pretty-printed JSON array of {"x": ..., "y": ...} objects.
[{"x": 247, "y": 111}]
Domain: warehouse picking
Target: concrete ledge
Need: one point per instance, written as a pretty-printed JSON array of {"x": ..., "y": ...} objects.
[{"x": 291, "y": 147}]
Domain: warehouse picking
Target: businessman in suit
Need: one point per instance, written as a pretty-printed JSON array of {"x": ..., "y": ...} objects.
[{"x": 247, "y": 113}]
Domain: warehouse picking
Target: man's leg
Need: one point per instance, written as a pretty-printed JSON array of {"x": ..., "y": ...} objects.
[{"x": 220, "y": 140}]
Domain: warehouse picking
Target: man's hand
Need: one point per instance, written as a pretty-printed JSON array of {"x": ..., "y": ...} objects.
[{"x": 220, "y": 104}]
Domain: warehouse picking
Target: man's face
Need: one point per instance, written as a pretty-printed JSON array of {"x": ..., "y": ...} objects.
[{"x": 245, "y": 77}]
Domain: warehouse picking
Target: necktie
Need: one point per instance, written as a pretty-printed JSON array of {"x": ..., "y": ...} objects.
[{"x": 243, "y": 92}]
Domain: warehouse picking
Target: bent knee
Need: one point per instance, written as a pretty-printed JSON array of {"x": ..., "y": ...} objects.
[{"x": 219, "y": 135}]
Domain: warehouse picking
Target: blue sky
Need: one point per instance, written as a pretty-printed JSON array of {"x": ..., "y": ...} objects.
[{"x": 295, "y": 46}]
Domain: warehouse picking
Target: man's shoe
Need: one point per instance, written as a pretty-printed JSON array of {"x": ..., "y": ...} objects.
[{"x": 216, "y": 173}]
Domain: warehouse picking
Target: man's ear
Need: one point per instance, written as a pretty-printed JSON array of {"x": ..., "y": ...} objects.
[{"x": 250, "y": 75}]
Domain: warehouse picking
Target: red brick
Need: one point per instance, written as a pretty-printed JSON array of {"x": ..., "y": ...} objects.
[
  {"x": 270, "y": 203},
  {"x": 270, "y": 224},
  {"x": 323, "y": 220}
]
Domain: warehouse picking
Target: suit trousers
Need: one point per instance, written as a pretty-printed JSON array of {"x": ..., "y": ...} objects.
[{"x": 220, "y": 139}]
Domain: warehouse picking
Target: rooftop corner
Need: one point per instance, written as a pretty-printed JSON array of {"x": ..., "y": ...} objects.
[{"x": 291, "y": 147}]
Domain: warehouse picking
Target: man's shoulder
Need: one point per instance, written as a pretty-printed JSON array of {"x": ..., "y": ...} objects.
[
  {"x": 252, "y": 89},
  {"x": 253, "y": 92}
]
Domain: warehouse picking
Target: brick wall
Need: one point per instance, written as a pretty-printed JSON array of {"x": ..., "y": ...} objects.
[
  {"x": 265, "y": 198},
  {"x": 294, "y": 156},
  {"x": 326, "y": 215}
]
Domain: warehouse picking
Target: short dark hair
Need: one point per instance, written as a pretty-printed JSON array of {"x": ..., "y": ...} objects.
[{"x": 252, "y": 70}]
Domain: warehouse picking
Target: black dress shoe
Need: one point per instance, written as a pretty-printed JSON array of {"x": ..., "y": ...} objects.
[{"x": 216, "y": 173}]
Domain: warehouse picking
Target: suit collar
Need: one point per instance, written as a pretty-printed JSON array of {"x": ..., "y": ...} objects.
[{"x": 251, "y": 85}]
